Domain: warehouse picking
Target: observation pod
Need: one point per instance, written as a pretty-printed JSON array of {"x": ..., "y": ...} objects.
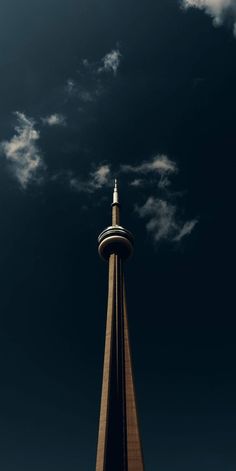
[{"x": 117, "y": 240}]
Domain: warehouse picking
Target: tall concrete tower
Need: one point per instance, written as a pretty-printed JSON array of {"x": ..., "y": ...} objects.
[{"x": 119, "y": 444}]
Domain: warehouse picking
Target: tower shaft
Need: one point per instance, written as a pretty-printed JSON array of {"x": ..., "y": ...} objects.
[{"x": 119, "y": 445}]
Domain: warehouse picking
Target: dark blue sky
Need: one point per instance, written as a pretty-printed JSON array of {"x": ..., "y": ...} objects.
[{"x": 145, "y": 91}]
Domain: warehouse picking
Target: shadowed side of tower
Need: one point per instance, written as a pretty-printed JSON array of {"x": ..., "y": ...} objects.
[{"x": 119, "y": 445}]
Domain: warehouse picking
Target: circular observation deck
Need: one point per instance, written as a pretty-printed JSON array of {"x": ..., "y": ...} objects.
[{"x": 115, "y": 240}]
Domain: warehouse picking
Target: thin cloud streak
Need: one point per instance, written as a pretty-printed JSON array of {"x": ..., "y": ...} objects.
[
  {"x": 160, "y": 164},
  {"x": 186, "y": 229}
]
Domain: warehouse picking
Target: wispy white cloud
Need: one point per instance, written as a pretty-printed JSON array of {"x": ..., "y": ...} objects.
[
  {"x": 111, "y": 62},
  {"x": 219, "y": 10},
  {"x": 163, "y": 223},
  {"x": 160, "y": 164},
  {"x": 88, "y": 85},
  {"x": 71, "y": 87},
  {"x": 101, "y": 176},
  {"x": 161, "y": 209},
  {"x": 137, "y": 182},
  {"x": 164, "y": 182},
  {"x": 162, "y": 215},
  {"x": 97, "y": 179},
  {"x": 22, "y": 151},
  {"x": 86, "y": 89},
  {"x": 55, "y": 119},
  {"x": 186, "y": 229},
  {"x": 85, "y": 62},
  {"x": 87, "y": 96}
]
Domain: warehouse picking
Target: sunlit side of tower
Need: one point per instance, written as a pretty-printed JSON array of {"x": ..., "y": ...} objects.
[{"x": 119, "y": 444}]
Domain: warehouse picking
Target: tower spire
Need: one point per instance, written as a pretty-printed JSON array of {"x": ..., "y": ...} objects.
[
  {"x": 115, "y": 193},
  {"x": 115, "y": 206},
  {"x": 119, "y": 444}
]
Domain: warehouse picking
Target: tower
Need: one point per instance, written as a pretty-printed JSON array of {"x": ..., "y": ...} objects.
[{"x": 119, "y": 444}]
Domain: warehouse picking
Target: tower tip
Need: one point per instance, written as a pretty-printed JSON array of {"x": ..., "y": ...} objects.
[{"x": 115, "y": 192}]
